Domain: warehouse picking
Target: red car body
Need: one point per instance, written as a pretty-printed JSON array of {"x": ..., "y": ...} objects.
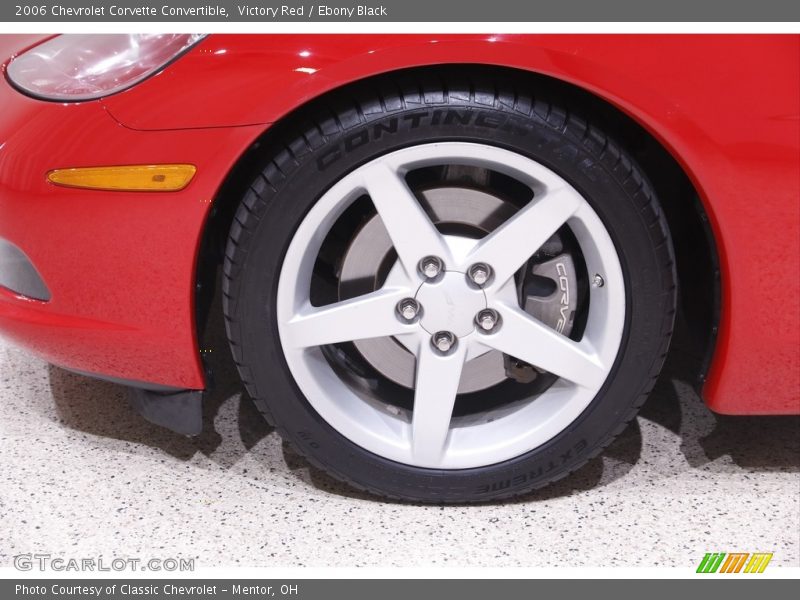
[{"x": 121, "y": 266}]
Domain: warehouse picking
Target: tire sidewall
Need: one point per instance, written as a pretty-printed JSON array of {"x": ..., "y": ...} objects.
[{"x": 302, "y": 181}]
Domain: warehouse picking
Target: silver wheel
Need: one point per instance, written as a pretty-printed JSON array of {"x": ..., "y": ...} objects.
[{"x": 450, "y": 303}]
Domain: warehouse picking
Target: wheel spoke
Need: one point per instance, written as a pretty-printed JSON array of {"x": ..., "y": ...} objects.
[
  {"x": 508, "y": 247},
  {"x": 413, "y": 234},
  {"x": 368, "y": 316},
  {"x": 437, "y": 382},
  {"x": 525, "y": 338}
]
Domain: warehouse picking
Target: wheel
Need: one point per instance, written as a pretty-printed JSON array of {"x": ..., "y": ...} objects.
[{"x": 447, "y": 290}]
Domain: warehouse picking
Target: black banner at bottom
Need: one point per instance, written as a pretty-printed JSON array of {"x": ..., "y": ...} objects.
[{"x": 385, "y": 589}]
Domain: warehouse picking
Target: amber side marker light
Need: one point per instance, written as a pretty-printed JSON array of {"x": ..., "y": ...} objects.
[{"x": 129, "y": 178}]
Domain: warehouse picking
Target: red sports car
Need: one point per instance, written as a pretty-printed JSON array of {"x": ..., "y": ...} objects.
[{"x": 450, "y": 264}]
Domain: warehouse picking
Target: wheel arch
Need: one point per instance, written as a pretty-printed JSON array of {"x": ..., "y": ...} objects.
[{"x": 685, "y": 207}]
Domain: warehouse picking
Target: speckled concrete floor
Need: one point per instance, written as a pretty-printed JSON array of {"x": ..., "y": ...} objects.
[{"x": 82, "y": 475}]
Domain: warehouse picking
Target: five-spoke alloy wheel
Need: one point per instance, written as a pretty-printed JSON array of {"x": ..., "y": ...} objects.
[
  {"x": 452, "y": 300},
  {"x": 442, "y": 298}
]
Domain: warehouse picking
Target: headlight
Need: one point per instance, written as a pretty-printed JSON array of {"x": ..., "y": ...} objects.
[{"x": 87, "y": 66}]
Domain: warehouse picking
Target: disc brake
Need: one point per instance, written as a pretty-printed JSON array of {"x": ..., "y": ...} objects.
[{"x": 548, "y": 292}]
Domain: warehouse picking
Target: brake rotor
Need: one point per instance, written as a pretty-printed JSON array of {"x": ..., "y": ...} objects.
[{"x": 473, "y": 213}]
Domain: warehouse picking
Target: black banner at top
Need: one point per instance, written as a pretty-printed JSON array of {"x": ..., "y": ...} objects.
[{"x": 393, "y": 11}]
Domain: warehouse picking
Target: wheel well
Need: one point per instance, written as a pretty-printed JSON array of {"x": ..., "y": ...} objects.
[{"x": 695, "y": 247}]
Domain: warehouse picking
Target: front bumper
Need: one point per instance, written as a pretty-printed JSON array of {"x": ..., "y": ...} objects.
[{"x": 119, "y": 266}]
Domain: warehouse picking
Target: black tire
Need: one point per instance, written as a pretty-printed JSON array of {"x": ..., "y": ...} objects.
[{"x": 324, "y": 143}]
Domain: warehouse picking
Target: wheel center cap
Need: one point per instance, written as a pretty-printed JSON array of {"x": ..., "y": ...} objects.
[{"x": 450, "y": 304}]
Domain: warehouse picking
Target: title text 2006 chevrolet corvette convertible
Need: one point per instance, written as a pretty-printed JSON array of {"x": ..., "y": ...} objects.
[{"x": 450, "y": 264}]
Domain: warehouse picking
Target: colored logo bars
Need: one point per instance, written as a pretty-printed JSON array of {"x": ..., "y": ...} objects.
[{"x": 734, "y": 562}]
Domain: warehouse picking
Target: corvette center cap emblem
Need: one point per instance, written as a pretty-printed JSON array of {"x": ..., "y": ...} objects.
[{"x": 450, "y": 304}]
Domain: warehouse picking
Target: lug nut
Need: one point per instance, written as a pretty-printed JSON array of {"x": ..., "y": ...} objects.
[
  {"x": 430, "y": 266},
  {"x": 443, "y": 341},
  {"x": 479, "y": 273},
  {"x": 487, "y": 319},
  {"x": 598, "y": 281},
  {"x": 408, "y": 308}
]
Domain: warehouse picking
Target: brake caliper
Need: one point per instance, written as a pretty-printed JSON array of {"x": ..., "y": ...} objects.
[{"x": 548, "y": 291}]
